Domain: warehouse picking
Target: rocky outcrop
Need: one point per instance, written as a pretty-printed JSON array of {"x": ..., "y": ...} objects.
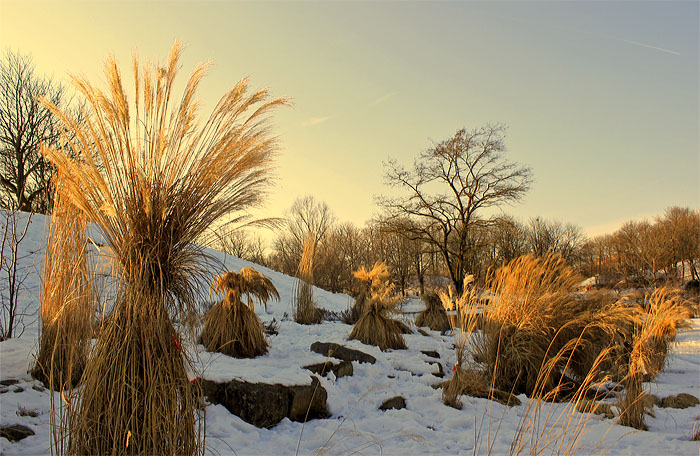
[
  {"x": 264, "y": 404},
  {"x": 341, "y": 352}
]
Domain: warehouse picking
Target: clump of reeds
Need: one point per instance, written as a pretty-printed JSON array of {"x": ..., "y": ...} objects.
[
  {"x": 232, "y": 327},
  {"x": 434, "y": 315},
  {"x": 663, "y": 313},
  {"x": 67, "y": 297},
  {"x": 153, "y": 180},
  {"x": 535, "y": 317},
  {"x": 305, "y": 310},
  {"x": 376, "y": 326}
]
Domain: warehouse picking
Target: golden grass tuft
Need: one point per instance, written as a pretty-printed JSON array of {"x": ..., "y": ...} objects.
[
  {"x": 376, "y": 325},
  {"x": 231, "y": 327},
  {"x": 67, "y": 298},
  {"x": 305, "y": 310},
  {"x": 663, "y": 313},
  {"x": 434, "y": 315},
  {"x": 154, "y": 180}
]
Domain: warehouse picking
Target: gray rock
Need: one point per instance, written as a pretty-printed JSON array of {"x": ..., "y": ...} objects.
[
  {"x": 265, "y": 405},
  {"x": 431, "y": 353},
  {"x": 340, "y": 352},
  {"x": 16, "y": 432},
  {"x": 9, "y": 382},
  {"x": 396, "y": 402}
]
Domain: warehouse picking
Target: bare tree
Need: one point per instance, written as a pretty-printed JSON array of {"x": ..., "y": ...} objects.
[
  {"x": 14, "y": 270},
  {"x": 565, "y": 239},
  {"x": 307, "y": 216},
  {"x": 24, "y": 125},
  {"x": 449, "y": 185}
]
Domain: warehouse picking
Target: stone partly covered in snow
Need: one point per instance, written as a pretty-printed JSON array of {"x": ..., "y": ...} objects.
[
  {"x": 340, "y": 352},
  {"x": 265, "y": 405},
  {"x": 431, "y": 353},
  {"x": 16, "y": 432},
  {"x": 396, "y": 402},
  {"x": 342, "y": 369}
]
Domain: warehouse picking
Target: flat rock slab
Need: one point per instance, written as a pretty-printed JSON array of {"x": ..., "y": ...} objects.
[
  {"x": 264, "y": 405},
  {"x": 340, "y": 352},
  {"x": 9, "y": 382},
  {"x": 431, "y": 353},
  {"x": 342, "y": 369},
  {"x": 16, "y": 432},
  {"x": 396, "y": 402}
]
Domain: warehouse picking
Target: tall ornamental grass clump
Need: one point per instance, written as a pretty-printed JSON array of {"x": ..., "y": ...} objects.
[
  {"x": 67, "y": 297},
  {"x": 153, "y": 180},
  {"x": 535, "y": 317},
  {"x": 376, "y": 325},
  {"x": 232, "y": 327}
]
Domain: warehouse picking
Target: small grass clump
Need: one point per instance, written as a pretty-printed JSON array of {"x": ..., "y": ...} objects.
[
  {"x": 376, "y": 325},
  {"x": 305, "y": 310},
  {"x": 434, "y": 315},
  {"x": 232, "y": 327}
]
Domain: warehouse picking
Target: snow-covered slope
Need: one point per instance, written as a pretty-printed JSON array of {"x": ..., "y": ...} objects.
[{"x": 426, "y": 426}]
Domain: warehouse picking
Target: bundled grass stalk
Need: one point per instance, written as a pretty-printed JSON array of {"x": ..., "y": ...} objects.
[
  {"x": 376, "y": 326},
  {"x": 67, "y": 298},
  {"x": 231, "y": 327},
  {"x": 153, "y": 181},
  {"x": 305, "y": 310},
  {"x": 434, "y": 315},
  {"x": 662, "y": 315}
]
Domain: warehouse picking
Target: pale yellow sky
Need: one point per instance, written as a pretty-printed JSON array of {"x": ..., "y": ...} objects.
[{"x": 601, "y": 99}]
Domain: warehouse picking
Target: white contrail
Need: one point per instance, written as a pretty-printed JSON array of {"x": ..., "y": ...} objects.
[{"x": 646, "y": 45}]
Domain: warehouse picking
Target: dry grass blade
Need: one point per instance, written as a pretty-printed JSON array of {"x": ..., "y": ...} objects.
[{"x": 153, "y": 181}]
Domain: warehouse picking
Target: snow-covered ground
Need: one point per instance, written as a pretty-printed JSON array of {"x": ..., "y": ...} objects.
[{"x": 356, "y": 426}]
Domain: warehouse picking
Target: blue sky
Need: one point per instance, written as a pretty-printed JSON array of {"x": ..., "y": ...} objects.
[{"x": 601, "y": 100}]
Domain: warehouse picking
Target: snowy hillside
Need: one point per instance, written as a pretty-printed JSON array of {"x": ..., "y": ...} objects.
[{"x": 356, "y": 425}]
